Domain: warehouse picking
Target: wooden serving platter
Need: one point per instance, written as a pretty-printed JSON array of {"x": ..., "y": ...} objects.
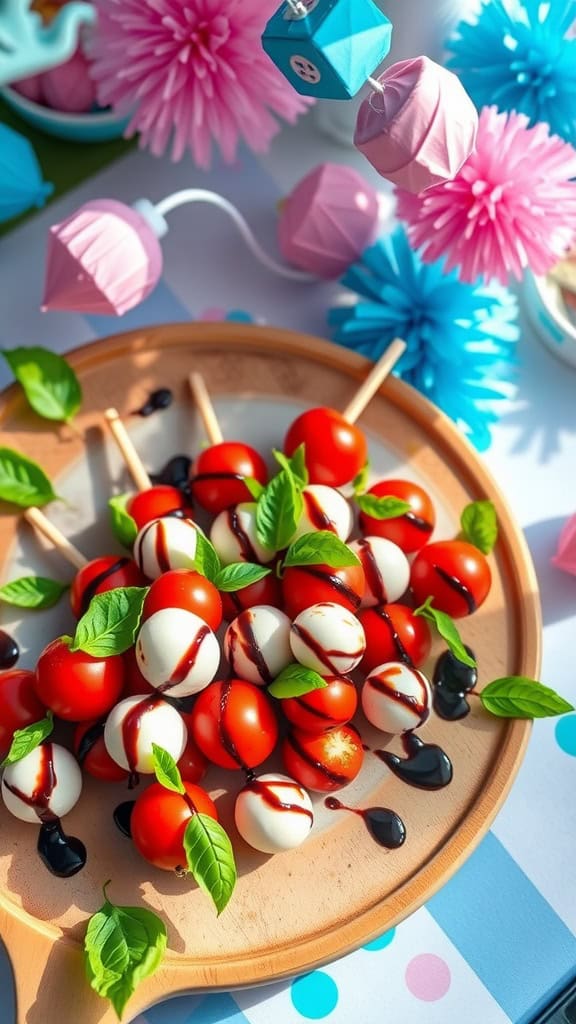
[{"x": 297, "y": 910}]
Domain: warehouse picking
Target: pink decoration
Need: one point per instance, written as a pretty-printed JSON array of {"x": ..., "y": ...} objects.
[
  {"x": 30, "y": 88},
  {"x": 565, "y": 557},
  {"x": 68, "y": 87},
  {"x": 194, "y": 69},
  {"x": 421, "y": 129},
  {"x": 328, "y": 221},
  {"x": 428, "y": 977},
  {"x": 511, "y": 206},
  {"x": 105, "y": 258}
]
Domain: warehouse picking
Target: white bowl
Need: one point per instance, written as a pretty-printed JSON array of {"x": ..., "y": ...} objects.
[{"x": 549, "y": 317}]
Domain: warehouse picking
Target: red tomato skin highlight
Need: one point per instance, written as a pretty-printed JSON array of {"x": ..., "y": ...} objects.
[
  {"x": 76, "y": 686},
  {"x": 159, "y": 821},
  {"x": 336, "y": 451}
]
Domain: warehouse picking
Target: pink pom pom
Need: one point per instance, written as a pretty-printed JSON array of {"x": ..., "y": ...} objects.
[
  {"x": 511, "y": 206},
  {"x": 104, "y": 258},
  {"x": 30, "y": 88},
  {"x": 328, "y": 221},
  {"x": 565, "y": 557},
  {"x": 421, "y": 129},
  {"x": 68, "y": 87}
]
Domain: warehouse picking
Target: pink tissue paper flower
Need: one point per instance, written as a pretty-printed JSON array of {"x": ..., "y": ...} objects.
[
  {"x": 510, "y": 206},
  {"x": 193, "y": 70},
  {"x": 565, "y": 557}
]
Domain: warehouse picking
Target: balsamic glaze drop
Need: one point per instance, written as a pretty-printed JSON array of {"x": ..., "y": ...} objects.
[
  {"x": 426, "y": 765},
  {"x": 160, "y": 399},
  {"x": 175, "y": 473},
  {"x": 9, "y": 650},
  {"x": 63, "y": 855},
  {"x": 385, "y": 826},
  {"x": 122, "y": 816},
  {"x": 452, "y": 681}
]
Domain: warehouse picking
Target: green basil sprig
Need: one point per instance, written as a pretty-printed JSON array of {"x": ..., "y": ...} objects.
[
  {"x": 49, "y": 382},
  {"x": 111, "y": 623},
  {"x": 121, "y": 522},
  {"x": 385, "y": 507},
  {"x": 22, "y": 481},
  {"x": 27, "y": 739},
  {"x": 36, "y": 592},
  {"x": 520, "y": 697},
  {"x": 294, "y": 681},
  {"x": 447, "y": 630},
  {"x": 320, "y": 547},
  {"x": 480, "y": 526}
]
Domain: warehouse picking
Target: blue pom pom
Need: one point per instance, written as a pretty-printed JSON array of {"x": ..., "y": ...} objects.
[
  {"x": 521, "y": 61},
  {"x": 21, "y": 183},
  {"x": 460, "y": 337}
]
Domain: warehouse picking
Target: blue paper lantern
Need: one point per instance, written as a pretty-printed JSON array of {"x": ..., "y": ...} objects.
[
  {"x": 328, "y": 48},
  {"x": 21, "y": 182}
]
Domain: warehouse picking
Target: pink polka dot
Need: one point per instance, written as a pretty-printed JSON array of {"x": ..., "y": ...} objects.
[
  {"x": 428, "y": 977},
  {"x": 213, "y": 314}
]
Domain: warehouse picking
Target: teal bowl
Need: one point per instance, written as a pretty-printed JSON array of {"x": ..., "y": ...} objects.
[{"x": 97, "y": 127}]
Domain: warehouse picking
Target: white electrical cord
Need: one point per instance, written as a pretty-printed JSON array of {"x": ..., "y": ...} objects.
[{"x": 201, "y": 195}]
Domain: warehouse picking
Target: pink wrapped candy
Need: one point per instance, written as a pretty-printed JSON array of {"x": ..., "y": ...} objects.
[
  {"x": 421, "y": 129},
  {"x": 68, "y": 87},
  {"x": 565, "y": 557},
  {"x": 328, "y": 221},
  {"x": 104, "y": 258}
]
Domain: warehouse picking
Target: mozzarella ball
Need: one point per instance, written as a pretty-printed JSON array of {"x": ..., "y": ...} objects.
[
  {"x": 328, "y": 638},
  {"x": 177, "y": 652},
  {"x": 273, "y": 813},
  {"x": 166, "y": 543},
  {"x": 138, "y": 722},
  {"x": 257, "y": 644},
  {"x": 386, "y": 568},
  {"x": 45, "y": 784},
  {"x": 233, "y": 534},
  {"x": 396, "y": 698},
  {"x": 325, "y": 509}
]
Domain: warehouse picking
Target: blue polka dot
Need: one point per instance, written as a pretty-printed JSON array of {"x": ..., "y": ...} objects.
[
  {"x": 566, "y": 734},
  {"x": 315, "y": 995},
  {"x": 239, "y": 316},
  {"x": 382, "y": 942}
]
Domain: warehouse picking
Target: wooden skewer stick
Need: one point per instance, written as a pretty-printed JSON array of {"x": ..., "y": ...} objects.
[
  {"x": 127, "y": 450},
  {"x": 205, "y": 408},
  {"x": 38, "y": 520},
  {"x": 373, "y": 381}
]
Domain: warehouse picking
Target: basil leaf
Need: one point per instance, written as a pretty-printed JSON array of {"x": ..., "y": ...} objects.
[
  {"x": 239, "y": 575},
  {"x": 49, "y": 382},
  {"x": 22, "y": 481},
  {"x": 386, "y": 507},
  {"x": 447, "y": 630},
  {"x": 294, "y": 681},
  {"x": 321, "y": 547},
  {"x": 206, "y": 560},
  {"x": 111, "y": 622},
  {"x": 210, "y": 858},
  {"x": 166, "y": 770},
  {"x": 480, "y": 526},
  {"x": 26, "y": 740},
  {"x": 278, "y": 512},
  {"x": 359, "y": 482},
  {"x": 254, "y": 486},
  {"x": 123, "y": 526},
  {"x": 519, "y": 697},
  {"x": 33, "y": 592},
  {"x": 296, "y": 464},
  {"x": 123, "y": 945}
]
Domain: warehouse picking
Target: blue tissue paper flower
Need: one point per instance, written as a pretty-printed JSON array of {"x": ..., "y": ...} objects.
[
  {"x": 460, "y": 337},
  {"x": 519, "y": 58},
  {"x": 21, "y": 182}
]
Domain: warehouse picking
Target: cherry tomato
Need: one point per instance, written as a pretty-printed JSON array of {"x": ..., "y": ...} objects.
[
  {"x": 410, "y": 531},
  {"x": 266, "y": 591},
  {"x": 394, "y": 633},
  {"x": 158, "y": 501},
  {"x": 234, "y": 724},
  {"x": 323, "y": 761},
  {"x": 100, "y": 575},
  {"x": 92, "y": 754},
  {"x": 305, "y": 585},
  {"x": 135, "y": 684},
  {"x": 185, "y": 588},
  {"x": 159, "y": 821},
  {"x": 336, "y": 450},
  {"x": 217, "y": 475},
  {"x": 454, "y": 573},
  {"x": 19, "y": 705},
  {"x": 76, "y": 686},
  {"x": 192, "y": 764},
  {"x": 335, "y": 704}
]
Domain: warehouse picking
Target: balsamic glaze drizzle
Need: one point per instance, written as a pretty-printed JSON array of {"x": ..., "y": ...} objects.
[
  {"x": 157, "y": 400},
  {"x": 9, "y": 650}
]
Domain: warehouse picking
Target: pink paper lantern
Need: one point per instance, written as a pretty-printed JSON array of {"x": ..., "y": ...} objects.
[
  {"x": 103, "y": 259},
  {"x": 421, "y": 129},
  {"x": 565, "y": 557},
  {"x": 328, "y": 221}
]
